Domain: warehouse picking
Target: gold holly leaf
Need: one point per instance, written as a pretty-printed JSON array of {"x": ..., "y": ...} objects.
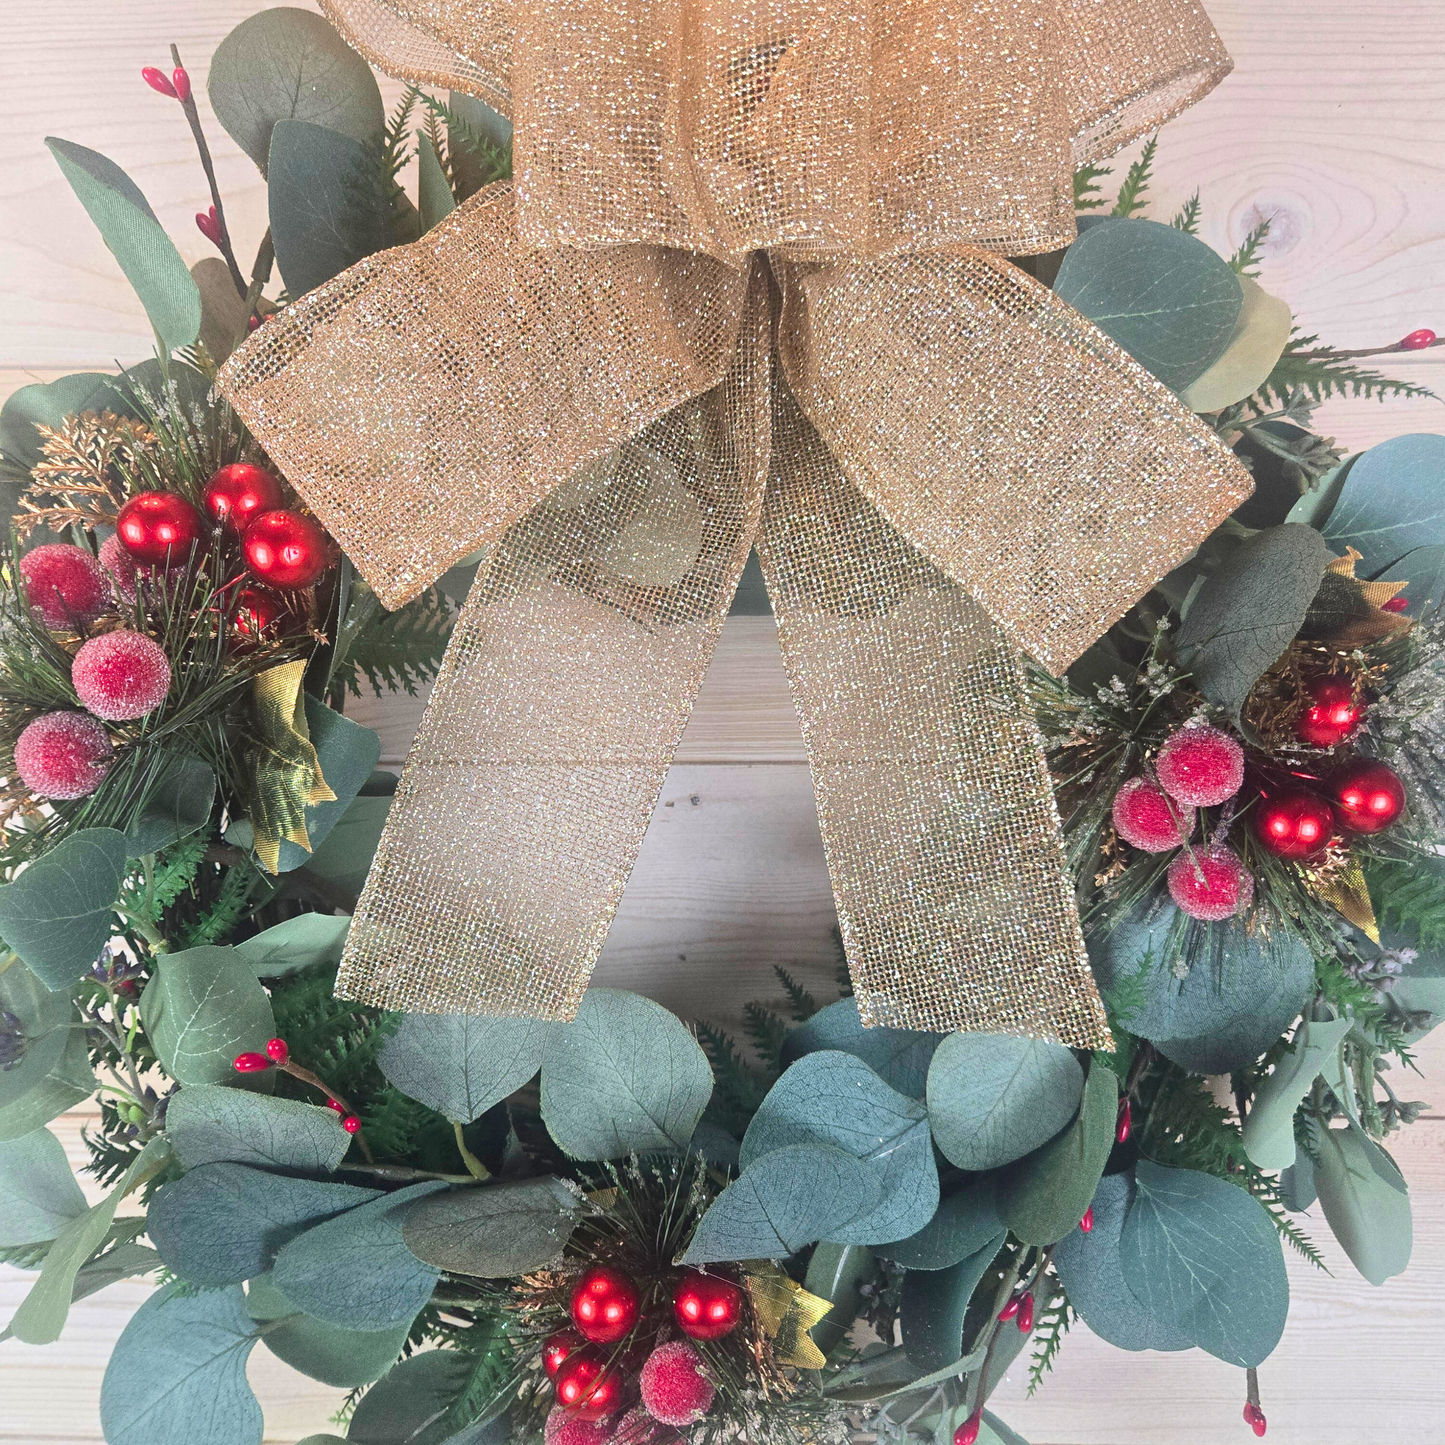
[
  {"x": 1347, "y": 893},
  {"x": 1349, "y": 612},
  {"x": 787, "y": 1312},
  {"x": 288, "y": 776}
]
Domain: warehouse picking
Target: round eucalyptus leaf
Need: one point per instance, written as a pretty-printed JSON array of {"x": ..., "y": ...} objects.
[
  {"x": 1269, "y": 1129},
  {"x": 934, "y": 1302},
  {"x": 1257, "y": 342},
  {"x": 1392, "y": 502},
  {"x": 44, "y": 1019},
  {"x": 209, "y": 1123},
  {"x": 201, "y": 1008},
  {"x": 900, "y": 1057},
  {"x": 326, "y": 1352},
  {"x": 496, "y": 1230},
  {"x": 965, "y": 1222},
  {"x": 38, "y": 1193}
]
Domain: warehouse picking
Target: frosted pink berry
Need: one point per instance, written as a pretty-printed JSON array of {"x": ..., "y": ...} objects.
[
  {"x": 1147, "y": 817},
  {"x": 637, "y": 1427},
  {"x": 1200, "y": 765},
  {"x": 121, "y": 675},
  {"x": 119, "y": 566},
  {"x": 563, "y": 1428},
  {"x": 1210, "y": 883},
  {"x": 64, "y": 584},
  {"x": 674, "y": 1388},
  {"x": 63, "y": 755}
]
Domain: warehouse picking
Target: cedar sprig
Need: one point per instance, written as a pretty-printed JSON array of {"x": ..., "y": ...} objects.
[{"x": 80, "y": 480}]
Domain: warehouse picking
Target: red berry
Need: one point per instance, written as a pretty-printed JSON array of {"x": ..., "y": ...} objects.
[
  {"x": 157, "y": 81},
  {"x": 557, "y": 1348},
  {"x": 706, "y": 1306},
  {"x": 337, "y": 1105},
  {"x": 257, "y": 611},
  {"x": 278, "y": 1050},
  {"x": 560, "y": 1428},
  {"x": 1367, "y": 796},
  {"x": 285, "y": 549},
  {"x": 1123, "y": 1122},
  {"x": 967, "y": 1433},
  {"x": 238, "y": 494},
  {"x": 587, "y": 1387},
  {"x": 1147, "y": 817},
  {"x": 1416, "y": 341},
  {"x": 1259, "y": 1424},
  {"x": 1010, "y": 1310},
  {"x": 1250, "y": 1411},
  {"x": 674, "y": 1388},
  {"x": 1026, "y": 1314},
  {"x": 63, "y": 755},
  {"x": 351, "y": 1124},
  {"x": 1086, "y": 1224},
  {"x": 209, "y": 226},
  {"x": 1395, "y": 604},
  {"x": 250, "y": 1063},
  {"x": 120, "y": 675},
  {"x": 182, "y": 83},
  {"x": 1293, "y": 825},
  {"x": 637, "y": 1427},
  {"x": 1332, "y": 713},
  {"x": 1210, "y": 883},
  {"x": 604, "y": 1304},
  {"x": 159, "y": 528},
  {"x": 64, "y": 585},
  {"x": 1200, "y": 765},
  {"x": 119, "y": 566}
]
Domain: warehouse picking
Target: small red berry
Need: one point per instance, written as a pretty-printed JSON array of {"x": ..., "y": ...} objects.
[
  {"x": 208, "y": 225},
  {"x": 673, "y": 1386},
  {"x": 1210, "y": 883},
  {"x": 1200, "y": 765},
  {"x": 967, "y": 1433},
  {"x": 337, "y": 1105},
  {"x": 1259, "y": 1424},
  {"x": 586, "y": 1387},
  {"x": 1145, "y": 816},
  {"x": 1086, "y": 1224},
  {"x": 604, "y": 1304},
  {"x": 351, "y": 1124},
  {"x": 182, "y": 83},
  {"x": 250, "y": 1063},
  {"x": 157, "y": 81},
  {"x": 278, "y": 1050},
  {"x": 1123, "y": 1122},
  {"x": 1416, "y": 341},
  {"x": 557, "y": 1348},
  {"x": 1026, "y": 1314},
  {"x": 706, "y": 1306},
  {"x": 1395, "y": 604},
  {"x": 1010, "y": 1310},
  {"x": 63, "y": 755}
]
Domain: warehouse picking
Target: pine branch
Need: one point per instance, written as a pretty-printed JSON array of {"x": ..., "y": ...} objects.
[
  {"x": 1136, "y": 182},
  {"x": 1323, "y": 373},
  {"x": 1245, "y": 261},
  {"x": 1409, "y": 894},
  {"x": 1088, "y": 193},
  {"x": 802, "y": 1004},
  {"x": 400, "y": 649},
  {"x": 1187, "y": 219},
  {"x": 496, "y": 160}
]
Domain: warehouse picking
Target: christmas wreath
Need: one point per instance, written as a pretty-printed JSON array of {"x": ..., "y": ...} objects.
[{"x": 623, "y": 1228}]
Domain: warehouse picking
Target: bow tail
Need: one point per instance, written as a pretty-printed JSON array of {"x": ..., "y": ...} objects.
[
  {"x": 938, "y": 818},
  {"x": 560, "y": 703}
]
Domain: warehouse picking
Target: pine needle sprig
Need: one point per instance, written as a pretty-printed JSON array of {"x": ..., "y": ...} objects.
[
  {"x": 1409, "y": 894},
  {"x": 1136, "y": 181}
]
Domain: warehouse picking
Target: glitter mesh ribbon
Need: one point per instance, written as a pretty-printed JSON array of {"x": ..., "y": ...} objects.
[{"x": 748, "y": 290}]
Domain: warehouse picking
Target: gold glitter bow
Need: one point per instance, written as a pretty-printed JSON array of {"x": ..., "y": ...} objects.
[{"x": 749, "y": 288}]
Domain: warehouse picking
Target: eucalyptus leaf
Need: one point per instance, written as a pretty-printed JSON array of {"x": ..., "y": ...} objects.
[
  {"x": 58, "y": 914},
  {"x": 837, "y": 1273},
  {"x": 434, "y": 191},
  {"x": 201, "y": 1008},
  {"x": 38, "y": 1193},
  {"x": 1164, "y": 296},
  {"x": 1201, "y": 1255},
  {"x": 462, "y": 1064},
  {"x": 306, "y": 941},
  {"x": 69, "y": 1080},
  {"x": 993, "y": 1431},
  {"x": 1315, "y": 505},
  {"x": 900, "y": 1057},
  {"x": 965, "y": 1222},
  {"x": 48, "y": 403},
  {"x": 1423, "y": 572},
  {"x": 125, "y": 1261},
  {"x": 1269, "y": 1129},
  {"x": 495, "y": 1231},
  {"x": 179, "y": 804},
  {"x": 409, "y": 1404},
  {"x": 1093, "y": 1275},
  {"x": 355, "y": 1269},
  {"x": 136, "y": 239},
  {"x": 1366, "y": 1202},
  {"x": 224, "y": 1223},
  {"x": 178, "y": 1373},
  {"x": 209, "y": 1124},
  {"x": 1257, "y": 342},
  {"x": 1249, "y": 611},
  {"x": 326, "y": 1352},
  {"x": 992, "y": 1098},
  {"x": 44, "y": 1019},
  {"x": 1392, "y": 502},
  {"x": 934, "y": 1302},
  {"x": 786, "y": 1199},
  {"x": 625, "y": 1075},
  {"x": 224, "y": 313},
  {"x": 344, "y": 856},
  {"x": 833, "y": 1098},
  {"x": 289, "y": 64},
  {"x": 1044, "y": 1195}
]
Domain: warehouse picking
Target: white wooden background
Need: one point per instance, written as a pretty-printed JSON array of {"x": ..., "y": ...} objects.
[{"x": 1334, "y": 126}]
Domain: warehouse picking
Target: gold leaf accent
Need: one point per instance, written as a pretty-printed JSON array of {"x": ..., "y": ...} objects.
[
  {"x": 288, "y": 773},
  {"x": 1347, "y": 893},
  {"x": 787, "y": 1312}
]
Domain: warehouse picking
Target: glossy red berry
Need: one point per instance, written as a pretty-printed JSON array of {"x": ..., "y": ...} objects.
[
  {"x": 159, "y": 528},
  {"x": 1123, "y": 1122},
  {"x": 337, "y": 1105},
  {"x": 1026, "y": 1314},
  {"x": 250, "y": 1063},
  {"x": 1010, "y": 1309},
  {"x": 1418, "y": 340},
  {"x": 285, "y": 549},
  {"x": 967, "y": 1433},
  {"x": 158, "y": 81},
  {"x": 182, "y": 83},
  {"x": 1398, "y": 603},
  {"x": 557, "y": 1348},
  {"x": 1293, "y": 825},
  {"x": 238, "y": 494},
  {"x": 1148, "y": 818},
  {"x": 257, "y": 613},
  {"x": 604, "y": 1304},
  {"x": 209, "y": 225},
  {"x": 1367, "y": 796},
  {"x": 1086, "y": 1224},
  {"x": 351, "y": 1124},
  {"x": 586, "y": 1387},
  {"x": 1200, "y": 765},
  {"x": 278, "y": 1050},
  {"x": 1333, "y": 712},
  {"x": 706, "y": 1306}
]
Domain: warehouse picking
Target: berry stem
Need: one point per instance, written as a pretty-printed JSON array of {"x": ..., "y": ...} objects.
[
  {"x": 290, "y": 1066},
  {"x": 475, "y": 1167},
  {"x": 1394, "y": 348}
]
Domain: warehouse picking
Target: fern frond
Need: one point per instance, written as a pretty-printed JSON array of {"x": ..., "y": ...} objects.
[
  {"x": 1088, "y": 193},
  {"x": 766, "y": 1031},
  {"x": 1136, "y": 182},
  {"x": 1409, "y": 894},
  {"x": 801, "y": 1004},
  {"x": 219, "y": 921},
  {"x": 1245, "y": 261},
  {"x": 1053, "y": 1324},
  {"x": 739, "y": 1090},
  {"x": 1322, "y": 371},
  {"x": 1187, "y": 220},
  {"x": 496, "y": 160},
  {"x": 400, "y": 649}
]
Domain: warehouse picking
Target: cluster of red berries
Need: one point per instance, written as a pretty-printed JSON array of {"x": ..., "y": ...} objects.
[
  {"x": 278, "y": 1056},
  {"x": 591, "y": 1385}
]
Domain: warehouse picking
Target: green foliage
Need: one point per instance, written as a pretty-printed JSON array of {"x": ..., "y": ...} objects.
[
  {"x": 801, "y": 1004},
  {"x": 1136, "y": 182},
  {"x": 1187, "y": 218},
  {"x": 1052, "y": 1324},
  {"x": 1321, "y": 372},
  {"x": 767, "y": 1033},
  {"x": 1088, "y": 193},
  {"x": 1245, "y": 261},
  {"x": 738, "y": 1088},
  {"x": 494, "y": 160},
  {"x": 1409, "y": 894},
  {"x": 218, "y": 921},
  {"x": 400, "y": 649}
]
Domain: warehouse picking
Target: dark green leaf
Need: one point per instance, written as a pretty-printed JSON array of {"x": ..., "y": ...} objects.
[
  {"x": 624, "y": 1075},
  {"x": 1392, "y": 502},
  {"x": 129, "y": 228},
  {"x": 965, "y": 1222},
  {"x": 224, "y": 314},
  {"x": 38, "y": 1193},
  {"x": 355, "y": 1270},
  {"x": 992, "y": 1098},
  {"x": 68, "y": 1080},
  {"x": 1201, "y": 1255},
  {"x": 177, "y": 1374},
  {"x": 786, "y": 1199},
  {"x": 44, "y": 1018},
  {"x": 344, "y": 858},
  {"x": 495, "y": 1231},
  {"x": 179, "y": 804},
  {"x": 409, "y": 1405},
  {"x": 48, "y": 404},
  {"x": 1164, "y": 296},
  {"x": 201, "y": 1008},
  {"x": 208, "y": 1124},
  {"x": 1249, "y": 611},
  {"x": 1424, "y": 572},
  {"x": 289, "y": 64},
  {"x": 836, "y": 1273},
  {"x": 1259, "y": 336},
  {"x": 305, "y": 941},
  {"x": 1366, "y": 1202},
  {"x": 934, "y": 1302},
  {"x": 900, "y": 1057},
  {"x": 434, "y": 192},
  {"x": 57, "y": 915},
  {"x": 224, "y": 1223},
  {"x": 833, "y": 1098},
  {"x": 325, "y": 1352}
]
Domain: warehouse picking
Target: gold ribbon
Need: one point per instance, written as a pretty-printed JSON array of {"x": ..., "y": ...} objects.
[{"x": 749, "y": 289}]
